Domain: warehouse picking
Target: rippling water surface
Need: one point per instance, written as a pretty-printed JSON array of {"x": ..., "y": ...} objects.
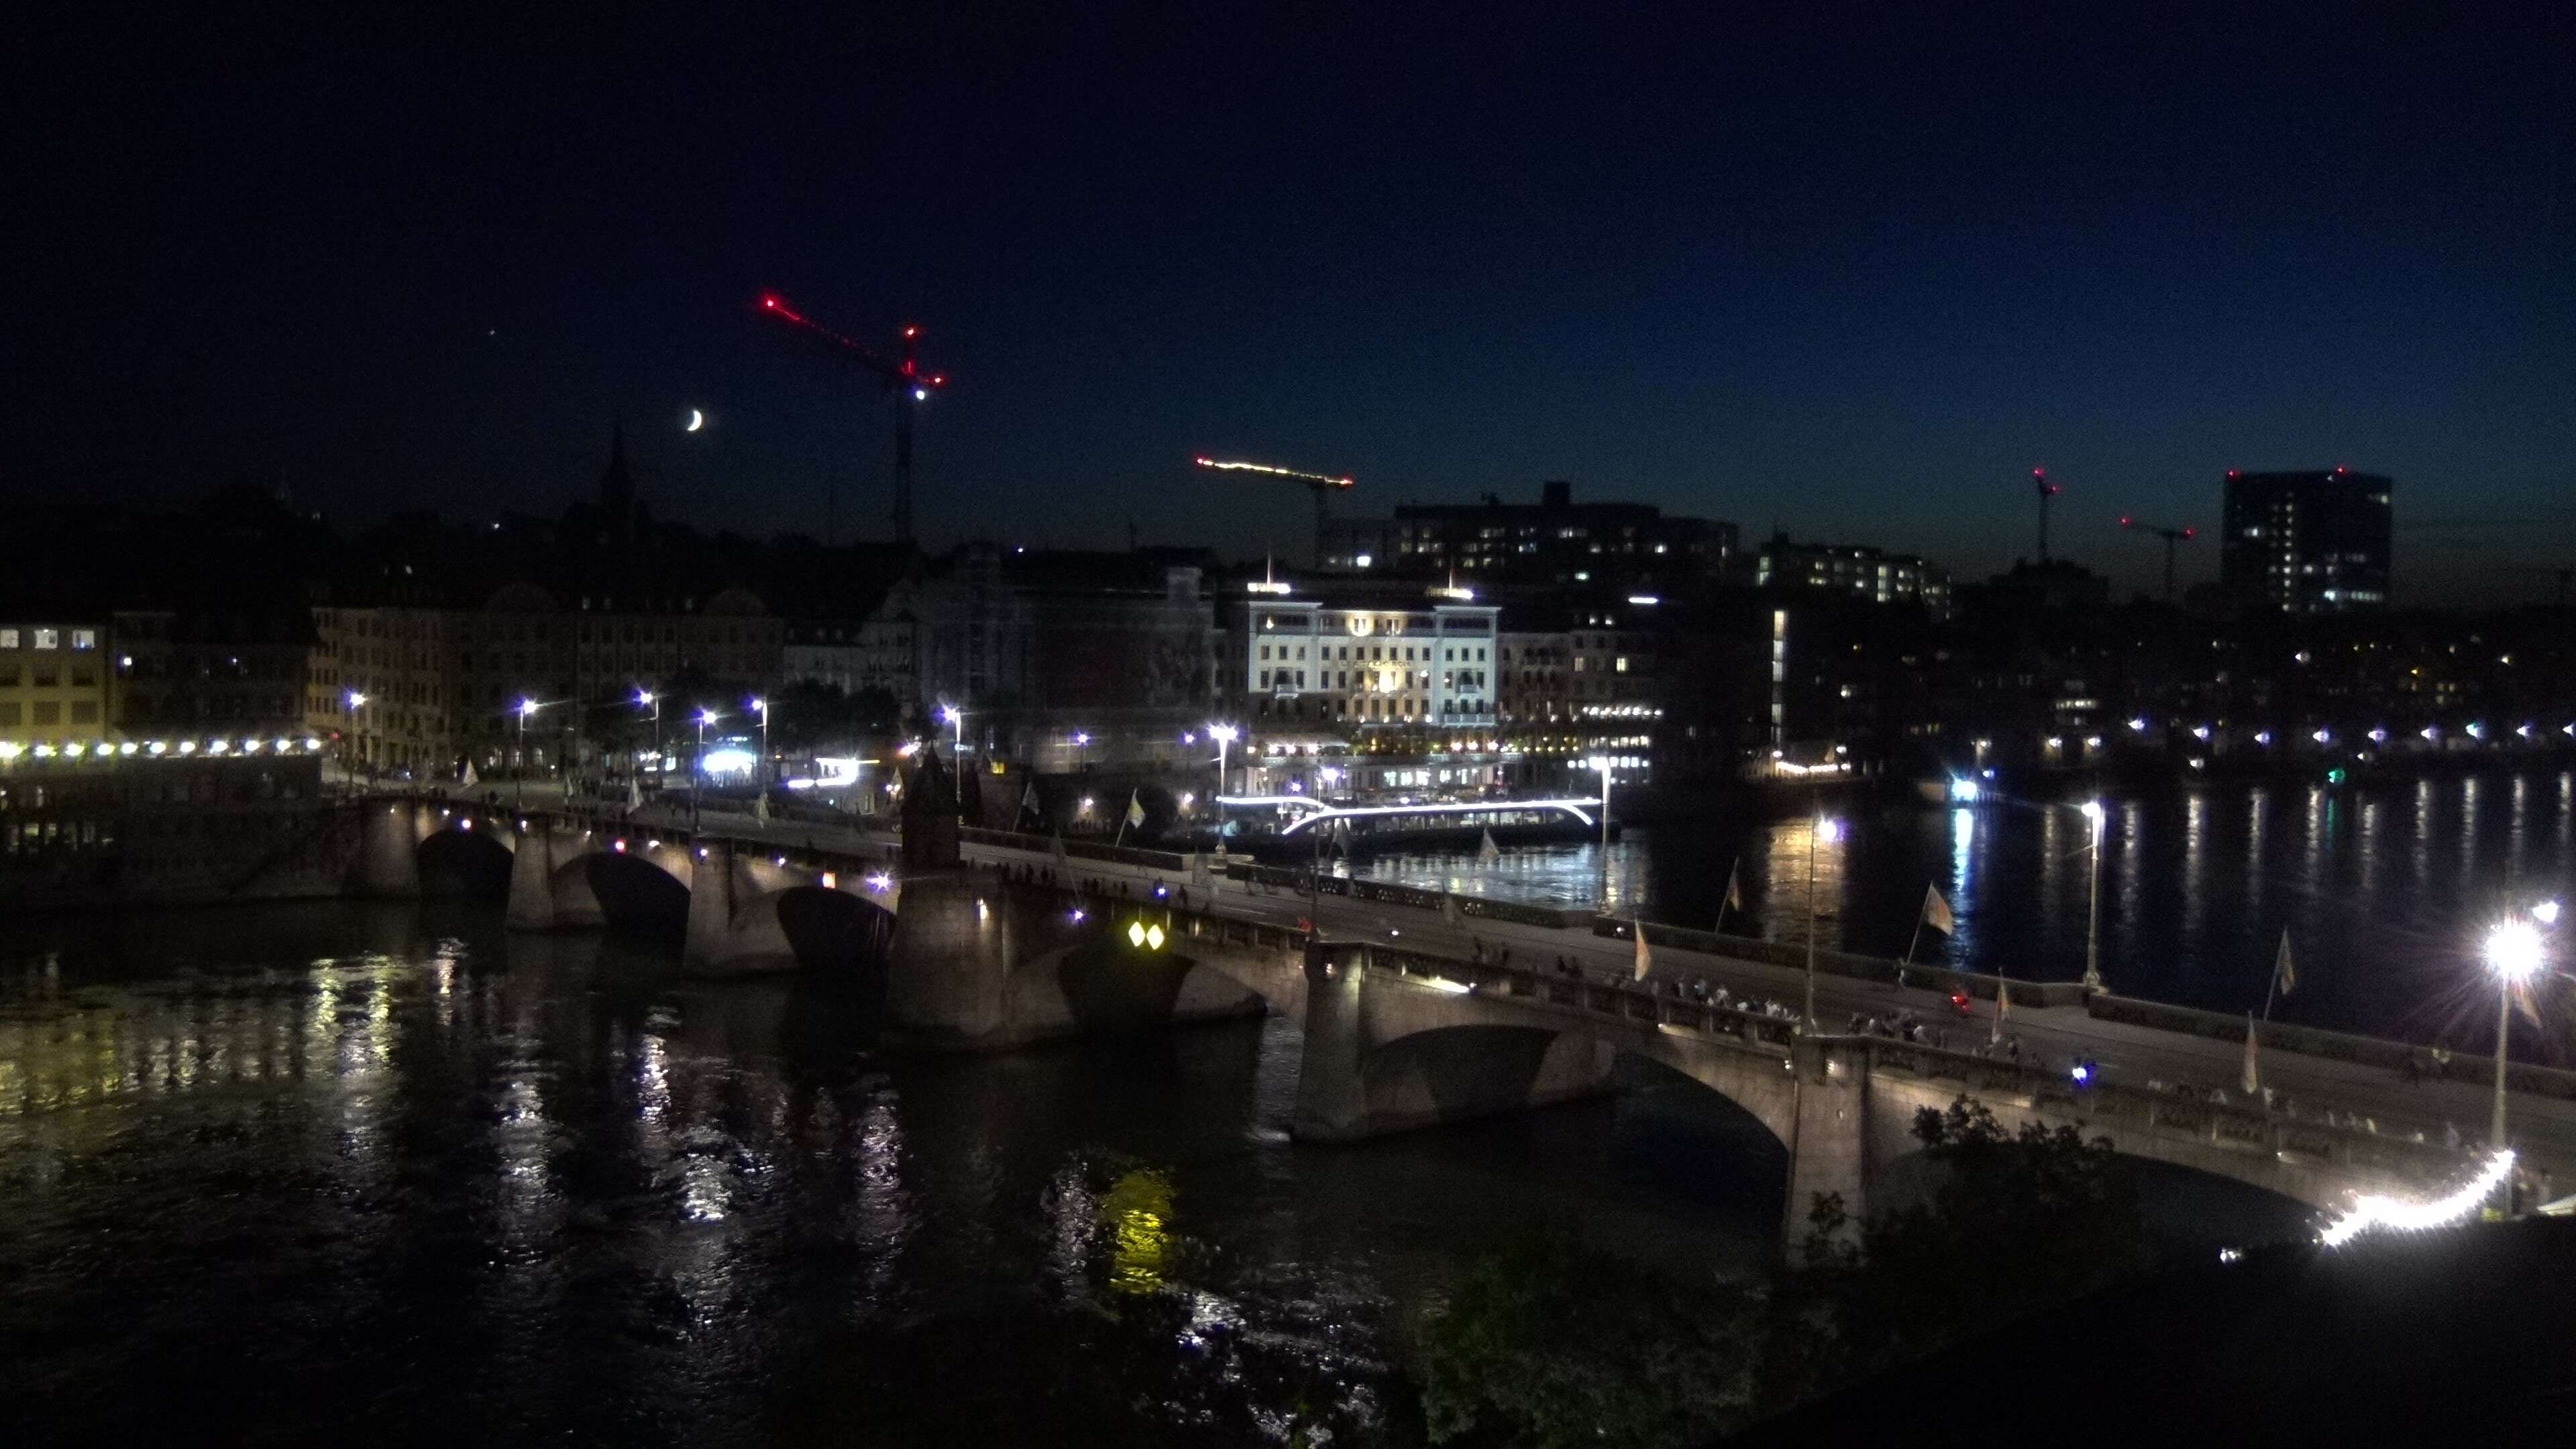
[
  {"x": 386, "y": 1171},
  {"x": 2384, "y": 891}
]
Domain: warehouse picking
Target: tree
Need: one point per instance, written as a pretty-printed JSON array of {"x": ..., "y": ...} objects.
[
  {"x": 1559, "y": 1343},
  {"x": 2018, "y": 1223}
]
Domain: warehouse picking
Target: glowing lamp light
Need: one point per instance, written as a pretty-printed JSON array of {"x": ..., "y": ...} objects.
[
  {"x": 2546, "y": 913},
  {"x": 1829, "y": 830},
  {"x": 2477, "y": 731},
  {"x": 2430, "y": 732},
  {"x": 2200, "y": 732},
  {"x": 2513, "y": 951},
  {"x": 880, "y": 881},
  {"x": 2323, "y": 737},
  {"x": 2378, "y": 736},
  {"x": 2263, "y": 738},
  {"x": 2372, "y": 1210},
  {"x": 1964, "y": 791},
  {"x": 2081, "y": 1073},
  {"x": 2093, "y": 811},
  {"x": 2138, "y": 725}
]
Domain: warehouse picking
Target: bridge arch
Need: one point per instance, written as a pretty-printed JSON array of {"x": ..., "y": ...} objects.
[{"x": 463, "y": 862}]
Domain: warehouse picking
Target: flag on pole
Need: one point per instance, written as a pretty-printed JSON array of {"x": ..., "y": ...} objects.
[
  {"x": 469, "y": 774},
  {"x": 1029, "y": 796},
  {"x": 1135, "y": 810},
  {"x": 1645, "y": 957},
  {"x": 2003, "y": 1008},
  {"x": 2253, "y": 1080},
  {"x": 2284, "y": 975},
  {"x": 1487, "y": 853},
  {"x": 1734, "y": 891},
  {"x": 634, "y": 790},
  {"x": 1936, "y": 912},
  {"x": 760, "y": 807}
]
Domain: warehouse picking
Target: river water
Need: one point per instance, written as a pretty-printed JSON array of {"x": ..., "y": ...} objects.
[
  {"x": 2385, "y": 892},
  {"x": 376, "y": 1171},
  {"x": 276, "y": 1175}
]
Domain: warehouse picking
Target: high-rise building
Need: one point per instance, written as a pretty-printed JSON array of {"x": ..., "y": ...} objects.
[
  {"x": 2307, "y": 543},
  {"x": 1861, "y": 572},
  {"x": 1555, "y": 542}
]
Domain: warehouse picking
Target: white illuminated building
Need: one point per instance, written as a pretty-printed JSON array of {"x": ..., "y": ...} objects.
[{"x": 1361, "y": 666}]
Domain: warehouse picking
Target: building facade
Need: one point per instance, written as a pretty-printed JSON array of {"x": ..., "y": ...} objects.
[
  {"x": 1555, "y": 542},
  {"x": 1362, "y": 665},
  {"x": 55, "y": 688},
  {"x": 2308, "y": 543},
  {"x": 1855, "y": 570}
]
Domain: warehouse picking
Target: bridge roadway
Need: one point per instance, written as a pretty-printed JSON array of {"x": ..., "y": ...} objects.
[{"x": 2130, "y": 1056}]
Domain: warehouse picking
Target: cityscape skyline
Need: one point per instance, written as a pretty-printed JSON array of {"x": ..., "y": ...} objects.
[{"x": 2131, "y": 259}]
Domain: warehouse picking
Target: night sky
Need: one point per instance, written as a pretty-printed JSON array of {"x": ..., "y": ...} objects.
[{"x": 1829, "y": 269}]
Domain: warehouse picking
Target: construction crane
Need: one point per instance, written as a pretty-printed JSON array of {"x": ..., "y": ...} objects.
[
  {"x": 2562, "y": 575},
  {"x": 901, "y": 376},
  {"x": 1324, "y": 486},
  {"x": 2047, "y": 491},
  {"x": 2171, "y": 536}
]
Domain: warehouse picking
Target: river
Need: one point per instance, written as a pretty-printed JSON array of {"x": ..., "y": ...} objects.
[
  {"x": 368, "y": 1167},
  {"x": 2385, "y": 891}
]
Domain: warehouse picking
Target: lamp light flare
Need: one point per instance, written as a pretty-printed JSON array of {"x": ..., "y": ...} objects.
[
  {"x": 2513, "y": 950},
  {"x": 2373, "y": 1210}
]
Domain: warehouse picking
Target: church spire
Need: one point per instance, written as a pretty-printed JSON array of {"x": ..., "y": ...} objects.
[{"x": 617, "y": 488}]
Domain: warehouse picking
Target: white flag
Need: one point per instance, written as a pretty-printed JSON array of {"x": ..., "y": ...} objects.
[
  {"x": 1488, "y": 853},
  {"x": 469, "y": 773},
  {"x": 1135, "y": 810},
  {"x": 1645, "y": 957}
]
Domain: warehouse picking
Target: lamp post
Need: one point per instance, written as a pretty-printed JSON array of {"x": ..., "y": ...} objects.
[
  {"x": 649, "y": 700},
  {"x": 519, "y": 777},
  {"x": 348, "y": 760},
  {"x": 761, "y": 778},
  {"x": 698, "y": 767},
  {"x": 1224, "y": 735},
  {"x": 1603, "y": 764},
  {"x": 2513, "y": 953},
  {"x": 1081, "y": 749},
  {"x": 2093, "y": 907},
  {"x": 1825, "y": 830}
]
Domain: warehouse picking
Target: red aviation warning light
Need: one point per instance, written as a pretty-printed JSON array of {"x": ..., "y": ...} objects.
[{"x": 900, "y": 375}]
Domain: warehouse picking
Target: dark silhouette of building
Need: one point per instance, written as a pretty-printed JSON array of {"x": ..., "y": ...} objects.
[
  {"x": 2307, "y": 543},
  {"x": 1556, "y": 542}
]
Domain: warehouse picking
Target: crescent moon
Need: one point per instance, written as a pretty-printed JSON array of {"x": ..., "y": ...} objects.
[{"x": 697, "y": 420}]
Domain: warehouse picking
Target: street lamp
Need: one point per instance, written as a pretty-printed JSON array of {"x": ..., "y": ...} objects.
[
  {"x": 698, "y": 767},
  {"x": 761, "y": 779},
  {"x": 357, "y": 702},
  {"x": 1224, "y": 735},
  {"x": 955, "y": 718},
  {"x": 519, "y": 777},
  {"x": 1826, "y": 830},
  {"x": 2093, "y": 907},
  {"x": 647, "y": 699},
  {"x": 1081, "y": 749},
  {"x": 2513, "y": 954}
]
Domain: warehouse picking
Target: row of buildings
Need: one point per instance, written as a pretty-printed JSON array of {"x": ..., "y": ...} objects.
[{"x": 1494, "y": 643}]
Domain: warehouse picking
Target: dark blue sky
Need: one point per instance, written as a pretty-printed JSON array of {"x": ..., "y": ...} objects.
[{"x": 1847, "y": 271}]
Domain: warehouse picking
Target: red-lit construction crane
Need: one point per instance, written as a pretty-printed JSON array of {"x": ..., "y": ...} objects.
[
  {"x": 901, "y": 376},
  {"x": 1324, "y": 486},
  {"x": 2171, "y": 536},
  {"x": 2047, "y": 491}
]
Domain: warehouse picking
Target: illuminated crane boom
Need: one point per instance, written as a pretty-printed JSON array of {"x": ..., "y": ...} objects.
[
  {"x": 2171, "y": 536},
  {"x": 1324, "y": 486},
  {"x": 901, "y": 376}
]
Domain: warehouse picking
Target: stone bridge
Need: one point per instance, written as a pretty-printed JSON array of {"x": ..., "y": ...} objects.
[
  {"x": 1394, "y": 1040},
  {"x": 1398, "y": 1040}
]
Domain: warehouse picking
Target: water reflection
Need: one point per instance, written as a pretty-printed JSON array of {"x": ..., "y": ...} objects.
[
  {"x": 538, "y": 1187},
  {"x": 2377, "y": 884}
]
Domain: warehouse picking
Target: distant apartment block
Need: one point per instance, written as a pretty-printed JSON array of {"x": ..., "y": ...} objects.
[{"x": 2307, "y": 543}]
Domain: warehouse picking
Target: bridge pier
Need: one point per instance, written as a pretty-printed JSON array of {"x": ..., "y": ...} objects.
[
  {"x": 388, "y": 848},
  {"x": 1829, "y": 1145},
  {"x": 733, "y": 923},
  {"x": 1389, "y": 1052}
]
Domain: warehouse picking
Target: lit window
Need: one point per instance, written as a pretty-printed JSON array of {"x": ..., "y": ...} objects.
[
  {"x": 49, "y": 638},
  {"x": 84, "y": 638},
  {"x": 8, "y": 638}
]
